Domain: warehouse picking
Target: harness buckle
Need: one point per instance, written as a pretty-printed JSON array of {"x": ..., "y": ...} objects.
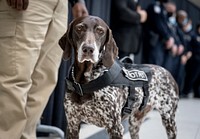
[{"x": 127, "y": 110}]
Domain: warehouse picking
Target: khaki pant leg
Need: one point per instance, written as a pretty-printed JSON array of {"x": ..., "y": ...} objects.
[
  {"x": 46, "y": 71},
  {"x": 18, "y": 56},
  {"x": 13, "y": 85},
  {"x": 23, "y": 36}
]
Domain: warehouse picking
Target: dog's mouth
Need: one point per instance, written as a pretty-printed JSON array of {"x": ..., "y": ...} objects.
[
  {"x": 86, "y": 58},
  {"x": 88, "y": 53}
]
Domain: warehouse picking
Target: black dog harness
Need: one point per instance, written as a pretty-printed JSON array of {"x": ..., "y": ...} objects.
[{"x": 120, "y": 74}]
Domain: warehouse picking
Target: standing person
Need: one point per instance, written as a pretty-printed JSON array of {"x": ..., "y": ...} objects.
[
  {"x": 126, "y": 19},
  {"x": 158, "y": 36},
  {"x": 172, "y": 57},
  {"x": 29, "y": 61},
  {"x": 184, "y": 24},
  {"x": 192, "y": 79}
]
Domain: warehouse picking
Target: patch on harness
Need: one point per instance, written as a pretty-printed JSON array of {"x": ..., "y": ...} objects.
[{"x": 135, "y": 75}]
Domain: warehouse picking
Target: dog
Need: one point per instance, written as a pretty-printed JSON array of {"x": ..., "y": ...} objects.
[{"x": 91, "y": 99}]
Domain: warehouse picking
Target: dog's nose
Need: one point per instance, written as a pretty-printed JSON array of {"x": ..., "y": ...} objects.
[{"x": 87, "y": 49}]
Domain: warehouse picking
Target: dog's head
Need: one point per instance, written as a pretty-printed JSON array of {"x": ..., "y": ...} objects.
[{"x": 91, "y": 39}]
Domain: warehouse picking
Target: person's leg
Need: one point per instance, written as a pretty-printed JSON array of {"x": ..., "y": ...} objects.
[
  {"x": 196, "y": 86},
  {"x": 169, "y": 62},
  {"x": 45, "y": 73},
  {"x": 20, "y": 43},
  {"x": 156, "y": 55},
  {"x": 13, "y": 84},
  {"x": 180, "y": 76},
  {"x": 190, "y": 78},
  {"x": 22, "y": 35}
]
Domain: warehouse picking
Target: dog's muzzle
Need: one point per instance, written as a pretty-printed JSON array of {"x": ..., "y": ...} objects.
[{"x": 88, "y": 53}]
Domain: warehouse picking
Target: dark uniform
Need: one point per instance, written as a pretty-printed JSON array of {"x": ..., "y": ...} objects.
[
  {"x": 170, "y": 62},
  {"x": 157, "y": 33},
  {"x": 173, "y": 62},
  {"x": 126, "y": 26},
  {"x": 192, "y": 79},
  {"x": 180, "y": 76}
]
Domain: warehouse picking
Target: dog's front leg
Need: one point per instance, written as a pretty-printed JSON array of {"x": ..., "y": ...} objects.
[
  {"x": 73, "y": 128},
  {"x": 116, "y": 132}
]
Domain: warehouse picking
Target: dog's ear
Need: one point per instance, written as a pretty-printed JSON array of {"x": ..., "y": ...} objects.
[
  {"x": 66, "y": 43},
  {"x": 111, "y": 50}
]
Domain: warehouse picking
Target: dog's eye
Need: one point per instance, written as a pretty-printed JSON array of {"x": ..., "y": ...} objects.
[
  {"x": 80, "y": 28},
  {"x": 100, "y": 31}
]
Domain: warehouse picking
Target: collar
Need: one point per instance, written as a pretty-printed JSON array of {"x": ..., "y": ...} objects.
[{"x": 106, "y": 79}]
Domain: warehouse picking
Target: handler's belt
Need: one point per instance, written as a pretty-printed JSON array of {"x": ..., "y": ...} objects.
[{"x": 120, "y": 74}]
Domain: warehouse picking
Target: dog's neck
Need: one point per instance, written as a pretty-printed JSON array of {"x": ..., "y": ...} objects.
[{"x": 87, "y": 71}]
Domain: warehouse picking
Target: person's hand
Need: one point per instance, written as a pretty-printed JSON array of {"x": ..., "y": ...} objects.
[
  {"x": 183, "y": 59},
  {"x": 189, "y": 55},
  {"x": 169, "y": 43},
  {"x": 174, "y": 50},
  {"x": 79, "y": 9},
  {"x": 180, "y": 50},
  {"x": 18, "y": 4},
  {"x": 142, "y": 13},
  {"x": 186, "y": 57}
]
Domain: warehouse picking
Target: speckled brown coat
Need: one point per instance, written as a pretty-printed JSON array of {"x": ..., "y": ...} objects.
[{"x": 95, "y": 51}]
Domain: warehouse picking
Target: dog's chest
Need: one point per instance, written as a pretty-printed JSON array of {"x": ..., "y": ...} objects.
[{"x": 98, "y": 110}]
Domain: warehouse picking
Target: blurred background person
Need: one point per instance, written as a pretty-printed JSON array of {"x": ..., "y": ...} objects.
[
  {"x": 183, "y": 21},
  {"x": 126, "y": 19},
  {"x": 192, "y": 79},
  {"x": 184, "y": 25},
  {"x": 172, "y": 57},
  {"x": 158, "y": 35}
]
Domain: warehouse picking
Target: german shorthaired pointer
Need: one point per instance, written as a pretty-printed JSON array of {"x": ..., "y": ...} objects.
[{"x": 95, "y": 93}]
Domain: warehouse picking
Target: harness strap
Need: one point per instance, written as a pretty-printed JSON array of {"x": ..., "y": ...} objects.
[
  {"x": 145, "y": 97},
  {"x": 127, "y": 109},
  {"x": 96, "y": 84}
]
